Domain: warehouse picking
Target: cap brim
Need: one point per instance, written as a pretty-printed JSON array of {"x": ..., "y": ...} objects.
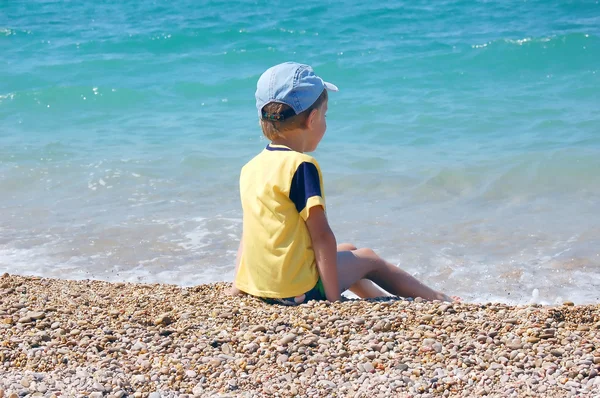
[{"x": 330, "y": 87}]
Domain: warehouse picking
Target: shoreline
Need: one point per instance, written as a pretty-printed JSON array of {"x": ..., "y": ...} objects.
[{"x": 94, "y": 338}]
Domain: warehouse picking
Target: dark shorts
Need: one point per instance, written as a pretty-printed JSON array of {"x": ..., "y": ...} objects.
[{"x": 316, "y": 293}]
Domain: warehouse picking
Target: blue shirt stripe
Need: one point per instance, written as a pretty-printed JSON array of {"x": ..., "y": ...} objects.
[
  {"x": 274, "y": 148},
  {"x": 305, "y": 184}
]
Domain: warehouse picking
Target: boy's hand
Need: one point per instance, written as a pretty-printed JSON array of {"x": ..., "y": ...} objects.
[
  {"x": 325, "y": 248},
  {"x": 234, "y": 291}
]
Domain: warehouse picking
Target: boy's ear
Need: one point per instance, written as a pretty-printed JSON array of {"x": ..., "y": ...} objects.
[{"x": 312, "y": 116}]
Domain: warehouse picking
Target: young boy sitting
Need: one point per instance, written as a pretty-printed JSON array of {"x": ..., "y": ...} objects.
[{"x": 288, "y": 253}]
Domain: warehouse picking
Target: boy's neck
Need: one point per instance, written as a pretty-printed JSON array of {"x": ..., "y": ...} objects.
[{"x": 294, "y": 141}]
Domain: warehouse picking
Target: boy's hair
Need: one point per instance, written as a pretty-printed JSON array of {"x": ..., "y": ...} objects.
[{"x": 273, "y": 128}]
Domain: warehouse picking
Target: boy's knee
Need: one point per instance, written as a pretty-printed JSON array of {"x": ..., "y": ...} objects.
[
  {"x": 345, "y": 247},
  {"x": 367, "y": 253},
  {"x": 370, "y": 260}
]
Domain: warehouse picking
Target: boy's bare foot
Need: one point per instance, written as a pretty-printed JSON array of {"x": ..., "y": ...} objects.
[
  {"x": 449, "y": 299},
  {"x": 234, "y": 291}
]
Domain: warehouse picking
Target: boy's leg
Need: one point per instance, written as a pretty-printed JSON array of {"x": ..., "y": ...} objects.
[
  {"x": 364, "y": 263},
  {"x": 364, "y": 288}
]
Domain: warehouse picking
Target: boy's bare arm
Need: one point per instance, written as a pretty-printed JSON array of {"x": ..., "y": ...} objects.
[{"x": 325, "y": 248}]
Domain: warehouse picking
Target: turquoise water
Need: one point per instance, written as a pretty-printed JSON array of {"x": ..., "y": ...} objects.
[{"x": 464, "y": 144}]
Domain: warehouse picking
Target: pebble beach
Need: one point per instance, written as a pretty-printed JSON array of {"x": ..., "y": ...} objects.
[{"x": 92, "y": 339}]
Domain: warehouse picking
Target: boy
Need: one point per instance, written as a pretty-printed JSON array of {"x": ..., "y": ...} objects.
[{"x": 288, "y": 253}]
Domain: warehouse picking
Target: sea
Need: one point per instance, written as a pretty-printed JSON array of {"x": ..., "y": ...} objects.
[{"x": 463, "y": 145}]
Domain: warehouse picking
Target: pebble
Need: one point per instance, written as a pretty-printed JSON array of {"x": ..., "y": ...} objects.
[
  {"x": 36, "y": 315},
  {"x": 251, "y": 348},
  {"x": 97, "y": 386},
  {"x": 401, "y": 367},
  {"x": 557, "y": 352},
  {"x": 288, "y": 338},
  {"x": 326, "y": 384},
  {"x": 191, "y": 374},
  {"x": 138, "y": 346},
  {"x": 368, "y": 367},
  {"x": 129, "y": 339},
  {"x": 226, "y": 348},
  {"x": 281, "y": 359},
  {"x": 163, "y": 319}
]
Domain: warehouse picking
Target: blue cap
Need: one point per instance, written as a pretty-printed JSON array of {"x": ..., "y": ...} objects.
[{"x": 290, "y": 83}]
